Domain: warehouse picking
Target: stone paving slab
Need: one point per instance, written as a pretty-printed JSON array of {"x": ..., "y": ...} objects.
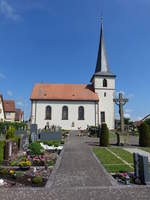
[{"x": 77, "y": 193}]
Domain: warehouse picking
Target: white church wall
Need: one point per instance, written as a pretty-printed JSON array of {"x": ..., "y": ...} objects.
[
  {"x": 106, "y": 96},
  {"x": 39, "y": 118}
]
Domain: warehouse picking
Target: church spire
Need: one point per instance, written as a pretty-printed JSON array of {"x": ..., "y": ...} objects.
[
  {"x": 102, "y": 67},
  {"x": 102, "y": 62}
]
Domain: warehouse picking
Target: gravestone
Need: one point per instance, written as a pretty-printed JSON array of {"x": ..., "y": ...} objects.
[
  {"x": 50, "y": 136},
  {"x": 141, "y": 168},
  {"x": 8, "y": 150},
  {"x": 34, "y": 132},
  {"x": 24, "y": 142},
  {"x": 34, "y": 137}
]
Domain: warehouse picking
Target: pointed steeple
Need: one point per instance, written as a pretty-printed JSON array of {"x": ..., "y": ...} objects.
[
  {"x": 102, "y": 66},
  {"x": 102, "y": 62}
]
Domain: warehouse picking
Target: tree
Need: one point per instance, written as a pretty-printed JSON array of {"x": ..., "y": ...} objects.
[
  {"x": 144, "y": 135},
  {"x": 104, "y": 137}
]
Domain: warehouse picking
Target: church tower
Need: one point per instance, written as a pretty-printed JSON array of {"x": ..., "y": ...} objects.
[{"x": 104, "y": 85}]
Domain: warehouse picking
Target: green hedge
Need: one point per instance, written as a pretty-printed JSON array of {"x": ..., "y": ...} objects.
[
  {"x": 144, "y": 135},
  {"x": 2, "y": 146},
  {"x": 4, "y": 126}
]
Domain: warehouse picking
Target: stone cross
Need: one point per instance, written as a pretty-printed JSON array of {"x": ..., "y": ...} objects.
[{"x": 121, "y": 102}]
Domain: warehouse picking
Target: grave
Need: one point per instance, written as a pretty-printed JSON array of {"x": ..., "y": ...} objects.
[
  {"x": 53, "y": 133},
  {"x": 141, "y": 169},
  {"x": 34, "y": 132},
  {"x": 11, "y": 149}
]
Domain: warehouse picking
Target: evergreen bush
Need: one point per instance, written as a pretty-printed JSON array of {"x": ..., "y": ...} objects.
[
  {"x": 10, "y": 134},
  {"x": 37, "y": 180},
  {"x": 36, "y": 149},
  {"x": 2, "y": 146},
  {"x": 104, "y": 137},
  {"x": 144, "y": 135}
]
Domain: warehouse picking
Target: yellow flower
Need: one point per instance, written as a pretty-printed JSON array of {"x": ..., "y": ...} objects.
[{"x": 12, "y": 172}]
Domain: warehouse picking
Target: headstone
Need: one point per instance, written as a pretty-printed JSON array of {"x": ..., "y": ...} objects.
[
  {"x": 8, "y": 150},
  {"x": 24, "y": 142},
  {"x": 144, "y": 170},
  {"x": 33, "y": 128},
  {"x": 50, "y": 135},
  {"x": 34, "y": 132},
  {"x": 141, "y": 168},
  {"x": 34, "y": 137}
]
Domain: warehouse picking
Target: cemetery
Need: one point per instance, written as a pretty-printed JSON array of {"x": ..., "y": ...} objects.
[{"x": 26, "y": 157}]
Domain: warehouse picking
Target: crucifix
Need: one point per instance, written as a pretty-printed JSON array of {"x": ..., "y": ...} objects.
[{"x": 121, "y": 102}]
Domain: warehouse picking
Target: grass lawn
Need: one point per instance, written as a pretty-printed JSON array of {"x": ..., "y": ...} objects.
[
  {"x": 145, "y": 149},
  {"x": 112, "y": 135},
  {"x": 110, "y": 161},
  {"x": 125, "y": 155}
]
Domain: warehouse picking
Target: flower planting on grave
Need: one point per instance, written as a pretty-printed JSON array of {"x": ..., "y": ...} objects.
[
  {"x": 25, "y": 163},
  {"x": 30, "y": 168}
]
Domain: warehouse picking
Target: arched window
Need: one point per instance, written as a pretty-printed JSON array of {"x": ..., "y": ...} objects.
[
  {"x": 81, "y": 113},
  {"x": 104, "y": 83},
  {"x": 65, "y": 113},
  {"x": 48, "y": 113}
]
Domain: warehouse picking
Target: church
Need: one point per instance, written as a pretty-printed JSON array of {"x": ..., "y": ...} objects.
[{"x": 73, "y": 106}]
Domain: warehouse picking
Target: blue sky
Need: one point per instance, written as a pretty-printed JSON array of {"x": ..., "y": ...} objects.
[{"x": 57, "y": 42}]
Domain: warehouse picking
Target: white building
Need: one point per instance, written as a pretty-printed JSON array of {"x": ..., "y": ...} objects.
[
  {"x": 77, "y": 105},
  {"x": 2, "y": 113},
  {"x": 10, "y": 110}
]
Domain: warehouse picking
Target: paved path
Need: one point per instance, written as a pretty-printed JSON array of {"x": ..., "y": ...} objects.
[
  {"x": 136, "y": 150},
  {"x": 77, "y": 175},
  {"x": 78, "y": 167}
]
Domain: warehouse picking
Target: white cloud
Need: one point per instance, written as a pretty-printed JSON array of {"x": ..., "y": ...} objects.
[
  {"x": 127, "y": 115},
  {"x": 128, "y": 110},
  {"x": 9, "y": 93},
  {"x": 8, "y": 11},
  {"x": 2, "y": 76},
  {"x": 20, "y": 103},
  {"x": 130, "y": 96}
]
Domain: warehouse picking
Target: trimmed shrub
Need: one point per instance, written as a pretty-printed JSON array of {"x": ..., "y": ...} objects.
[
  {"x": 37, "y": 180},
  {"x": 10, "y": 134},
  {"x": 36, "y": 149},
  {"x": 2, "y": 146},
  {"x": 4, "y": 171},
  {"x": 104, "y": 137},
  {"x": 144, "y": 135}
]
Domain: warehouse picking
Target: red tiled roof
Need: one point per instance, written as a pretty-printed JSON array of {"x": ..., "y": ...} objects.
[
  {"x": 71, "y": 92},
  {"x": 19, "y": 114},
  {"x": 9, "y": 106}
]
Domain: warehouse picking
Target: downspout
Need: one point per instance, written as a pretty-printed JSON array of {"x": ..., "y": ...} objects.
[
  {"x": 95, "y": 113},
  {"x": 35, "y": 112}
]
